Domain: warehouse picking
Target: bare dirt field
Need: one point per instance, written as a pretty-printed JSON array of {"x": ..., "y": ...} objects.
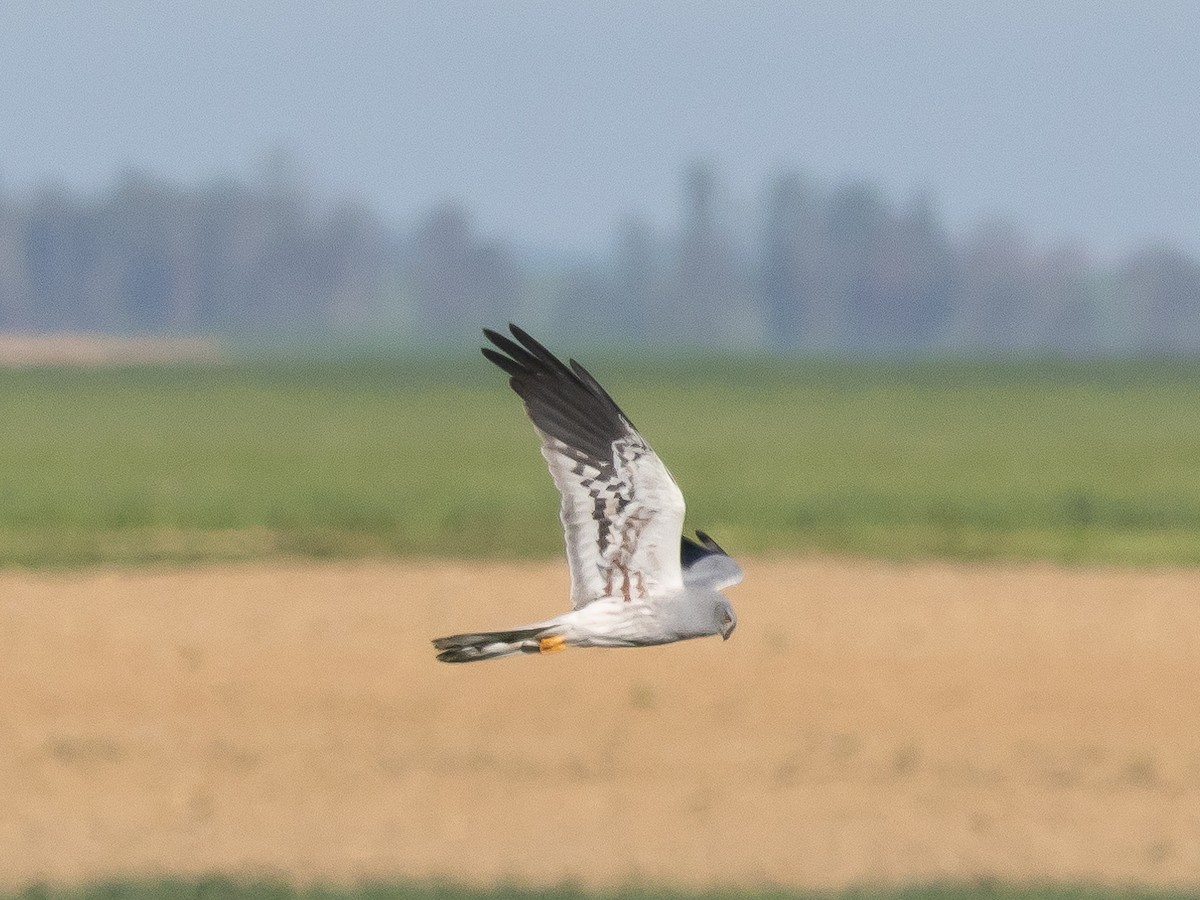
[
  {"x": 868, "y": 722},
  {"x": 65, "y": 349}
]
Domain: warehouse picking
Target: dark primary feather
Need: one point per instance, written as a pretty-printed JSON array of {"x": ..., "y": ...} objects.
[
  {"x": 691, "y": 552},
  {"x": 709, "y": 544},
  {"x": 564, "y": 403}
]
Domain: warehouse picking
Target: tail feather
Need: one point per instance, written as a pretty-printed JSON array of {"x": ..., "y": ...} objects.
[{"x": 476, "y": 646}]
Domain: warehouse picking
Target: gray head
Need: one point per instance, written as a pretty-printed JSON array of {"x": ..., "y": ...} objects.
[
  {"x": 726, "y": 617},
  {"x": 700, "y": 612},
  {"x": 707, "y": 570}
]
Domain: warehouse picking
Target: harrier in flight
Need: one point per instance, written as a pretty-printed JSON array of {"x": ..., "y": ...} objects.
[{"x": 636, "y": 581}]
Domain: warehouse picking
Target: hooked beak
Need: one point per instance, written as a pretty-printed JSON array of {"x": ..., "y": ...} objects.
[{"x": 728, "y": 630}]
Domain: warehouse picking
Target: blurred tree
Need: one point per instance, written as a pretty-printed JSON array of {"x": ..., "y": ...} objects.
[
  {"x": 920, "y": 278},
  {"x": 706, "y": 295},
  {"x": 149, "y": 255},
  {"x": 637, "y": 295},
  {"x": 60, "y": 245},
  {"x": 282, "y": 275},
  {"x": 616, "y": 298},
  {"x": 824, "y": 270},
  {"x": 997, "y": 310},
  {"x": 441, "y": 259},
  {"x": 794, "y": 281},
  {"x": 218, "y": 256},
  {"x": 587, "y": 302},
  {"x": 132, "y": 283},
  {"x": 495, "y": 283},
  {"x": 1068, "y": 301},
  {"x": 857, "y": 226},
  {"x": 458, "y": 279},
  {"x": 16, "y": 297},
  {"x": 1163, "y": 285},
  {"x": 358, "y": 258}
]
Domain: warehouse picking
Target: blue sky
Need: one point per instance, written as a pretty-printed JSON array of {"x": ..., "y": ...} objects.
[{"x": 551, "y": 120}]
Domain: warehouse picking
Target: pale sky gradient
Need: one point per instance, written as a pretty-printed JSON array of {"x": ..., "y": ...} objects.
[{"x": 550, "y": 120}]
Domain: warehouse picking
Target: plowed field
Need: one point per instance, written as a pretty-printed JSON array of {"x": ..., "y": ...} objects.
[{"x": 867, "y": 722}]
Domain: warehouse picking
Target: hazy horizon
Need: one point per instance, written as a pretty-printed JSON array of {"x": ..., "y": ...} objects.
[{"x": 552, "y": 121}]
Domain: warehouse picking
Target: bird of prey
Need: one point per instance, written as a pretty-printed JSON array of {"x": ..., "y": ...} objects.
[{"x": 636, "y": 580}]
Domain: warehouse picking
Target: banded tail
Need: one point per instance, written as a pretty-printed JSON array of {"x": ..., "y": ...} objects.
[{"x": 476, "y": 646}]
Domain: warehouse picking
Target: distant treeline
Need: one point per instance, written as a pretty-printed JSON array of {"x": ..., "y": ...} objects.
[{"x": 811, "y": 267}]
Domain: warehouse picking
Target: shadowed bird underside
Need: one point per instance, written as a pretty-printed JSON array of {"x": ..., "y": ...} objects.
[{"x": 635, "y": 579}]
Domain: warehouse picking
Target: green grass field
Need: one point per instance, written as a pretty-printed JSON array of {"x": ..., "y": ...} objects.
[
  {"x": 222, "y": 889},
  {"x": 1065, "y": 461}
]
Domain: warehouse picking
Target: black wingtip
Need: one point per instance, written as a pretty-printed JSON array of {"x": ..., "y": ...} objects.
[
  {"x": 691, "y": 552},
  {"x": 709, "y": 543},
  {"x": 512, "y": 367},
  {"x": 499, "y": 338},
  {"x": 565, "y": 402}
]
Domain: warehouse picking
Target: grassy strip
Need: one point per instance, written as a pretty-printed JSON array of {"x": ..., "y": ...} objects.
[{"x": 1072, "y": 462}]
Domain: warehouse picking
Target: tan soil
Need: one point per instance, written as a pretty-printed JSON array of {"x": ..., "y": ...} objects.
[
  {"x": 867, "y": 722},
  {"x": 61, "y": 349}
]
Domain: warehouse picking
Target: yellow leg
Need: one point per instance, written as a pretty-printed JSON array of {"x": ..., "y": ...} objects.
[{"x": 552, "y": 644}]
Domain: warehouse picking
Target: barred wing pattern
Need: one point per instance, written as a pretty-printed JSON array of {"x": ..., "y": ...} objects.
[{"x": 622, "y": 512}]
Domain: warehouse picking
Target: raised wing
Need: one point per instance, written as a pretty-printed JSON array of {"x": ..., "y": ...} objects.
[{"x": 621, "y": 510}]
